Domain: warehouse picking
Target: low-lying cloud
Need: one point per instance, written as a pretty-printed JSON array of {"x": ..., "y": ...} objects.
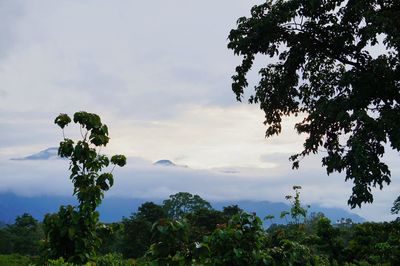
[{"x": 141, "y": 179}]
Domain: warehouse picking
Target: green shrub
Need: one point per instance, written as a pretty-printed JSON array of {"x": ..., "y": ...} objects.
[
  {"x": 112, "y": 259},
  {"x": 240, "y": 242},
  {"x": 59, "y": 262},
  {"x": 17, "y": 260},
  {"x": 171, "y": 244}
]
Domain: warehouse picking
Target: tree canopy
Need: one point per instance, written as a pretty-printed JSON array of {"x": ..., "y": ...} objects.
[
  {"x": 182, "y": 203},
  {"x": 335, "y": 62}
]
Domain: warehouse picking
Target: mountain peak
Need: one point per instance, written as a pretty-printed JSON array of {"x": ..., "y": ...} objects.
[
  {"x": 46, "y": 154},
  {"x": 164, "y": 163}
]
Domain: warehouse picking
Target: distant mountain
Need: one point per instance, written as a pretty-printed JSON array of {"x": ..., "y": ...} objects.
[
  {"x": 113, "y": 209},
  {"x": 167, "y": 163},
  {"x": 50, "y": 153},
  {"x": 164, "y": 163},
  {"x": 264, "y": 208},
  {"x": 12, "y": 205}
]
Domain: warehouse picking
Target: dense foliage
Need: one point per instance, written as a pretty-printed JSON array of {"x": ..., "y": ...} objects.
[
  {"x": 23, "y": 237},
  {"x": 335, "y": 62},
  {"x": 182, "y": 203},
  {"x": 227, "y": 237},
  {"x": 138, "y": 227}
]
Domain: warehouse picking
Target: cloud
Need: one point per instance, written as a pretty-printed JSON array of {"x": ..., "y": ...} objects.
[
  {"x": 141, "y": 179},
  {"x": 144, "y": 59},
  {"x": 140, "y": 63},
  {"x": 10, "y": 12}
]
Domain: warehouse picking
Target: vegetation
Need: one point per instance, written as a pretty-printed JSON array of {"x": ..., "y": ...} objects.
[
  {"x": 72, "y": 233},
  {"x": 182, "y": 203},
  {"x": 23, "y": 237},
  {"x": 227, "y": 237},
  {"x": 137, "y": 236},
  {"x": 17, "y": 260},
  {"x": 322, "y": 67}
]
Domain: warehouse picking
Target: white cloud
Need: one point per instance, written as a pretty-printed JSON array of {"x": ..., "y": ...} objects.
[
  {"x": 143, "y": 59},
  {"x": 140, "y": 179},
  {"x": 204, "y": 137}
]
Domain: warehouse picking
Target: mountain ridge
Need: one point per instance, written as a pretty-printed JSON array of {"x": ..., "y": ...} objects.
[
  {"x": 49, "y": 153},
  {"x": 113, "y": 209}
]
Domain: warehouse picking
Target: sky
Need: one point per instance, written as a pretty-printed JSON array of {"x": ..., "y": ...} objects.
[{"x": 158, "y": 73}]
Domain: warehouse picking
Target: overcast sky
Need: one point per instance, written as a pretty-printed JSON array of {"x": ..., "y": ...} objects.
[{"x": 158, "y": 73}]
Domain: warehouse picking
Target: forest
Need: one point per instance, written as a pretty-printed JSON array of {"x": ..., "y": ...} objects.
[{"x": 185, "y": 230}]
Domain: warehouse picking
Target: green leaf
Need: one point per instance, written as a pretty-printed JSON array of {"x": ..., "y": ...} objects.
[
  {"x": 62, "y": 120},
  {"x": 283, "y": 214},
  {"x": 71, "y": 232},
  {"x": 105, "y": 181},
  {"x": 80, "y": 117},
  {"x": 66, "y": 148},
  {"x": 98, "y": 139},
  {"x": 269, "y": 217},
  {"x": 119, "y": 160}
]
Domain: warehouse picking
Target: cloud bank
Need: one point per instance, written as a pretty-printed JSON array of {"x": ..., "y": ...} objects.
[{"x": 142, "y": 179}]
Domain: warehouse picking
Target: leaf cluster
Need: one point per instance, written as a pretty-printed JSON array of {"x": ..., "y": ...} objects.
[{"x": 321, "y": 68}]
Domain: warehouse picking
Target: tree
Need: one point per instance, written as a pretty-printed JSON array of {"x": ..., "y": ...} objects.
[
  {"x": 396, "y": 206},
  {"x": 240, "y": 242},
  {"x": 322, "y": 68},
  {"x": 151, "y": 212},
  {"x": 27, "y": 235},
  {"x": 171, "y": 244},
  {"x": 328, "y": 240},
  {"x": 297, "y": 211},
  {"x": 182, "y": 203},
  {"x": 231, "y": 210},
  {"x": 376, "y": 243},
  {"x": 71, "y": 233},
  {"x": 137, "y": 236},
  {"x": 22, "y": 237},
  {"x": 203, "y": 222}
]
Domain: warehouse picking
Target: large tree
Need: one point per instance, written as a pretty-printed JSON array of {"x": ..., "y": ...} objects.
[
  {"x": 182, "y": 203},
  {"x": 23, "y": 237},
  {"x": 335, "y": 63}
]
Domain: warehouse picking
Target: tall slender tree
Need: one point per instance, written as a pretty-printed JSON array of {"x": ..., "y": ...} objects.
[{"x": 71, "y": 233}]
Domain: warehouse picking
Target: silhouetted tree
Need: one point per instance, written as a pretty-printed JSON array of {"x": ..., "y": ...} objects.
[{"x": 322, "y": 69}]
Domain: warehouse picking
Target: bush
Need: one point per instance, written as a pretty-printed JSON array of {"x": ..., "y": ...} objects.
[
  {"x": 112, "y": 259},
  {"x": 240, "y": 242},
  {"x": 17, "y": 260},
  {"x": 171, "y": 244},
  {"x": 59, "y": 262}
]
